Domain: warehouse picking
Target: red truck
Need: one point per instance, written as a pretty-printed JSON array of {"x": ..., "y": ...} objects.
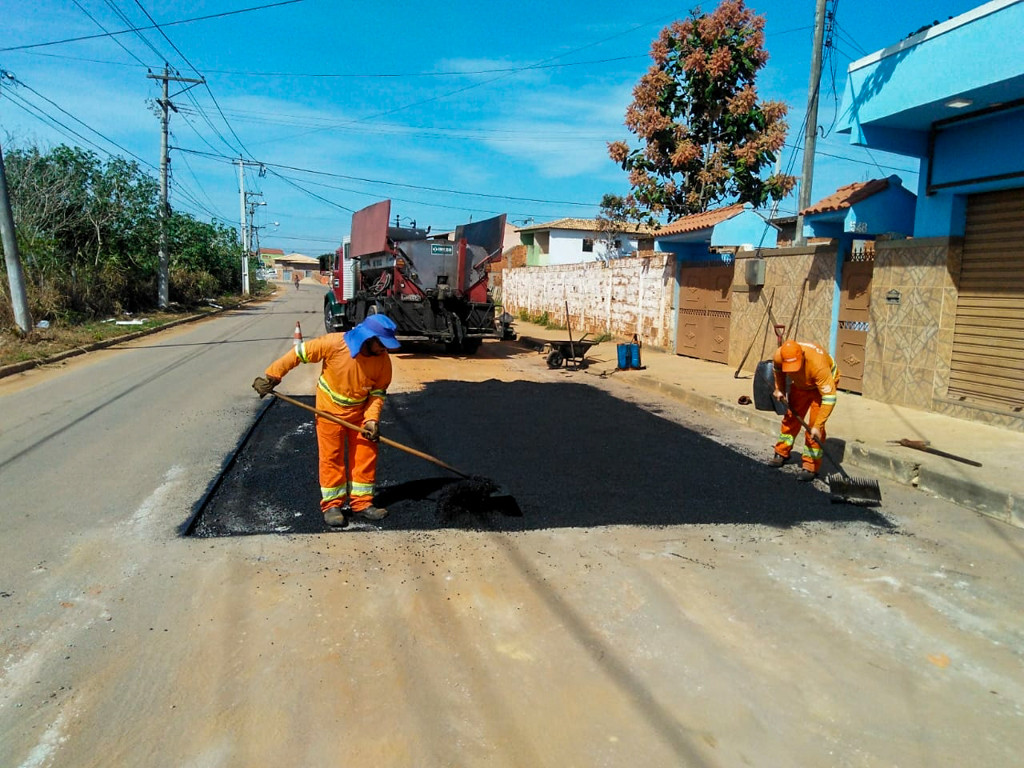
[{"x": 434, "y": 289}]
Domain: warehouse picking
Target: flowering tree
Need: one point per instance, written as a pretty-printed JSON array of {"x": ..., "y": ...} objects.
[{"x": 705, "y": 138}]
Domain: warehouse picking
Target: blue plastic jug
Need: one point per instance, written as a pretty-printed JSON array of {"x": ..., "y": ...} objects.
[
  {"x": 634, "y": 355},
  {"x": 624, "y": 356}
]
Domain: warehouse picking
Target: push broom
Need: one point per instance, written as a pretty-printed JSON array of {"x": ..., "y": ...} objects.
[{"x": 862, "y": 491}]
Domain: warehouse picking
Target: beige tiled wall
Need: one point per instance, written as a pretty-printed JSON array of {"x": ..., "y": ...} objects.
[
  {"x": 801, "y": 281},
  {"x": 910, "y": 341}
]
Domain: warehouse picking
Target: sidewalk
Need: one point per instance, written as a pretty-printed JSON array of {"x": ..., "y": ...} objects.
[{"x": 859, "y": 429}]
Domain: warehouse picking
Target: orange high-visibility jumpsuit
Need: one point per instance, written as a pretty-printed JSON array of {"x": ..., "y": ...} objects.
[
  {"x": 812, "y": 394},
  {"x": 354, "y": 389}
]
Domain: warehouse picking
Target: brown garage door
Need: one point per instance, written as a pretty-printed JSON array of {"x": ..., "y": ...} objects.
[
  {"x": 705, "y": 301},
  {"x": 854, "y": 318},
  {"x": 987, "y": 364}
]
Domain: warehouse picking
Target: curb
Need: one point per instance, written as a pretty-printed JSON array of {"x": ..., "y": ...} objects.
[
  {"x": 13, "y": 368},
  {"x": 998, "y": 504}
]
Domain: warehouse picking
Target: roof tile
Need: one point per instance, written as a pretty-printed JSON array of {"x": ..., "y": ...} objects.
[
  {"x": 704, "y": 220},
  {"x": 846, "y": 196}
]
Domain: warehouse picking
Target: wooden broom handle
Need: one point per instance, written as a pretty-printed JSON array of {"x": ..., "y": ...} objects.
[{"x": 385, "y": 440}]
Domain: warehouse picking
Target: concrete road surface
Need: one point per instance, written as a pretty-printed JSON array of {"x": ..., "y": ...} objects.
[{"x": 663, "y": 600}]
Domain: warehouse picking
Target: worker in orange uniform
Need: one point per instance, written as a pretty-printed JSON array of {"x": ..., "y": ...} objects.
[
  {"x": 353, "y": 385},
  {"x": 813, "y": 377}
]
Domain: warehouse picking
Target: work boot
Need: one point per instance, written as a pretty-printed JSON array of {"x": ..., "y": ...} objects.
[
  {"x": 805, "y": 475},
  {"x": 335, "y": 517},
  {"x": 371, "y": 513},
  {"x": 777, "y": 460}
]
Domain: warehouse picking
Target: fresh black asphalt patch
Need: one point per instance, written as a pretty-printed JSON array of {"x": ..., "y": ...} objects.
[{"x": 570, "y": 455}]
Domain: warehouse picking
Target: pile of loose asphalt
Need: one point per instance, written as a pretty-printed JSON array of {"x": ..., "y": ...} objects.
[{"x": 570, "y": 456}]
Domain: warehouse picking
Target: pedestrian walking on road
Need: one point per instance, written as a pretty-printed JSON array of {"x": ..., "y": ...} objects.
[
  {"x": 355, "y": 375},
  {"x": 296, "y": 279},
  {"x": 813, "y": 378}
]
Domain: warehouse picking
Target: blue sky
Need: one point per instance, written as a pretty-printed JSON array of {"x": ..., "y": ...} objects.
[{"x": 456, "y": 111}]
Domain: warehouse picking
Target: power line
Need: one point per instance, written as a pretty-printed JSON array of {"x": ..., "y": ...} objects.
[
  {"x": 98, "y": 24},
  {"x": 855, "y": 160},
  {"x": 399, "y": 184},
  {"x": 163, "y": 34},
  {"x": 77, "y": 120},
  {"x": 124, "y": 18},
  {"x": 141, "y": 29}
]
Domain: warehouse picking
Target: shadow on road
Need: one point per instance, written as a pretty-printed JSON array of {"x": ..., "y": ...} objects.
[{"x": 570, "y": 455}]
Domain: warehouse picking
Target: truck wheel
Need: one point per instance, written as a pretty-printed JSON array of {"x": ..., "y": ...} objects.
[
  {"x": 554, "y": 359},
  {"x": 329, "y": 319}
]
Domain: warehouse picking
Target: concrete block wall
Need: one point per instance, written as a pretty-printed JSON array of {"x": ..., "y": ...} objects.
[
  {"x": 801, "y": 280},
  {"x": 620, "y": 297}
]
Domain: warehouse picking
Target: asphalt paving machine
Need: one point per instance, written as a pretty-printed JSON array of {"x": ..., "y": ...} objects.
[{"x": 435, "y": 288}]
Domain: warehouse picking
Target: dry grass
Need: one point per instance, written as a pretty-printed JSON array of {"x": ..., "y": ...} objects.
[{"x": 42, "y": 343}]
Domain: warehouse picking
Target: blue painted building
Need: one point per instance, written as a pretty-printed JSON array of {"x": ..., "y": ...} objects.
[
  {"x": 947, "y": 306},
  {"x": 705, "y": 245}
]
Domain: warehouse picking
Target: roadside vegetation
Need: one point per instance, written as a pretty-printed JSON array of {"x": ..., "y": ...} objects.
[{"x": 88, "y": 233}]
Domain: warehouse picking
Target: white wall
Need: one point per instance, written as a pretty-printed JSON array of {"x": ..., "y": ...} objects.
[
  {"x": 620, "y": 297},
  {"x": 566, "y": 247}
]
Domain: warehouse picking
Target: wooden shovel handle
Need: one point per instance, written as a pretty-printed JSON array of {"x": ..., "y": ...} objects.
[{"x": 385, "y": 440}]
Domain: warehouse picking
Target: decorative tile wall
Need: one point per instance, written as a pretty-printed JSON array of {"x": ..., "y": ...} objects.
[{"x": 913, "y": 307}]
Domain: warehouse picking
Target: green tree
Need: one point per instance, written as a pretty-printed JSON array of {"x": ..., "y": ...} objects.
[
  {"x": 613, "y": 222},
  {"x": 88, "y": 230},
  {"x": 705, "y": 137}
]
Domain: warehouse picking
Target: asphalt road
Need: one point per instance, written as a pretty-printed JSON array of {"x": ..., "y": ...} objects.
[{"x": 663, "y": 599}]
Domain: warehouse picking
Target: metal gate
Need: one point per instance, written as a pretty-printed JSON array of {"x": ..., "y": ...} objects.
[
  {"x": 987, "y": 363},
  {"x": 705, "y": 308},
  {"x": 854, "y": 318}
]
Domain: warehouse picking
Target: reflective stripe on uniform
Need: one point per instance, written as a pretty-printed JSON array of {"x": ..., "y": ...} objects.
[
  {"x": 300, "y": 352},
  {"x": 813, "y": 453},
  {"x": 362, "y": 489},
  {"x": 330, "y": 494},
  {"x": 828, "y": 400},
  {"x": 381, "y": 393},
  {"x": 787, "y": 439},
  {"x": 339, "y": 399}
]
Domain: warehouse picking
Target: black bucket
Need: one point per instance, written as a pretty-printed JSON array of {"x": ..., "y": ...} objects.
[{"x": 764, "y": 386}]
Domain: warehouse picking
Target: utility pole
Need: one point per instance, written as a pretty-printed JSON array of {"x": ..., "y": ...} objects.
[
  {"x": 811, "y": 125},
  {"x": 163, "y": 270},
  {"x": 12, "y": 259},
  {"x": 244, "y": 229},
  {"x": 15, "y": 274}
]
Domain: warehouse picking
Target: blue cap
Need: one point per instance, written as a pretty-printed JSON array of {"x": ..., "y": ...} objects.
[{"x": 380, "y": 327}]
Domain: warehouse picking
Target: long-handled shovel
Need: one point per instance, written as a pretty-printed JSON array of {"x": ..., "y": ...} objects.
[
  {"x": 862, "y": 491},
  {"x": 470, "y": 494}
]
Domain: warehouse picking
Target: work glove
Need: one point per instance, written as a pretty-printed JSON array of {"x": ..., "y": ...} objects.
[
  {"x": 372, "y": 430},
  {"x": 264, "y": 386}
]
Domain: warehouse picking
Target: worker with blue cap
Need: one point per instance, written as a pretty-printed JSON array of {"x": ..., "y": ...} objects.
[{"x": 354, "y": 378}]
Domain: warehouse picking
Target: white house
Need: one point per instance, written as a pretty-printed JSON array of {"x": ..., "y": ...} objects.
[{"x": 572, "y": 241}]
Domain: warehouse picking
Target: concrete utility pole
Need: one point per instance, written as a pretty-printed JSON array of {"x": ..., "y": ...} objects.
[
  {"x": 243, "y": 221},
  {"x": 811, "y": 125},
  {"x": 12, "y": 259},
  {"x": 243, "y": 229},
  {"x": 163, "y": 270}
]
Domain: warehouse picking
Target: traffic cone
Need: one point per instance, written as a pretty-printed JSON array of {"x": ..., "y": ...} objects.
[{"x": 298, "y": 335}]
